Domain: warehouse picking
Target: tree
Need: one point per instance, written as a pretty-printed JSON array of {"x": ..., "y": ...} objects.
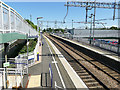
[
  {"x": 113, "y": 28},
  {"x": 32, "y": 24}
]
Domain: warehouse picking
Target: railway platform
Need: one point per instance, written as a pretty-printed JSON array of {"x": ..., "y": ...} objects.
[
  {"x": 52, "y": 70},
  {"x": 109, "y": 58}
]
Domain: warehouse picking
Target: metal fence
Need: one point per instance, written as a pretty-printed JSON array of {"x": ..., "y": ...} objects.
[
  {"x": 12, "y": 77},
  {"x": 11, "y": 21}
]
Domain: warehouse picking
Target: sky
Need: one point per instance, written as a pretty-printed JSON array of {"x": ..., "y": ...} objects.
[
  {"x": 55, "y": 0},
  {"x": 56, "y": 11}
]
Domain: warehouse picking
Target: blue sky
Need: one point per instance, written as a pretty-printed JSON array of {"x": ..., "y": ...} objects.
[
  {"x": 52, "y": 11},
  {"x": 56, "y": 0}
]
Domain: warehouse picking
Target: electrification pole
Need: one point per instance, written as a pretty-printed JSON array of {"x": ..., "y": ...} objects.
[{"x": 91, "y": 27}]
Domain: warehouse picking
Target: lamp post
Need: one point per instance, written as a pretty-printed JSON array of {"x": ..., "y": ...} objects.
[
  {"x": 39, "y": 26},
  {"x": 90, "y": 27},
  {"x": 38, "y": 22},
  {"x": 72, "y": 24}
]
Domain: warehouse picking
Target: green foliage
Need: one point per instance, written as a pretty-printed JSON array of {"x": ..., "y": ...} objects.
[
  {"x": 32, "y": 24},
  {"x": 62, "y": 30},
  {"x": 12, "y": 66},
  {"x": 31, "y": 46},
  {"x": 113, "y": 28},
  {"x": 59, "y": 30},
  {"x": 49, "y": 30}
]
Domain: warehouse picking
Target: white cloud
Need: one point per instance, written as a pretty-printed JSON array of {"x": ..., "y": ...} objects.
[{"x": 114, "y": 25}]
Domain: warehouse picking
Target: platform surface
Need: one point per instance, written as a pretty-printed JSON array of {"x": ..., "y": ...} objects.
[{"x": 43, "y": 67}]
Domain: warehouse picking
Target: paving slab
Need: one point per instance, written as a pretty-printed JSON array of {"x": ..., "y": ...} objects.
[{"x": 34, "y": 81}]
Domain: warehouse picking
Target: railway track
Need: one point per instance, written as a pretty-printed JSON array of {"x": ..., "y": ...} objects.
[{"x": 93, "y": 73}]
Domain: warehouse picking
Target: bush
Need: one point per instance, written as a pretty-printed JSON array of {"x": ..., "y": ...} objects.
[{"x": 31, "y": 46}]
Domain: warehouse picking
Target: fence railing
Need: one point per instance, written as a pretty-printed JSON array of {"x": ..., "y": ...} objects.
[
  {"x": 14, "y": 80},
  {"x": 12, "y": 21}
]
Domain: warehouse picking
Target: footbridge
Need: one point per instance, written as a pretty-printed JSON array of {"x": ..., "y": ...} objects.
[
  {"x": 13, "y": 29},
  {"x": 13, "y": 26}
]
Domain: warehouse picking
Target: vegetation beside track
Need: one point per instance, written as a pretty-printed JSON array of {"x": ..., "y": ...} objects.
[{"x": 31, "y": 46}]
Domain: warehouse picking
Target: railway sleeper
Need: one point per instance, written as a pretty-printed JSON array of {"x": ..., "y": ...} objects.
[
  {"x": 83, "y": 74},
  {"x": 115, "y": 75},
  {"x": 110, "y": 72},
  {"x": 118, "y": 78},
  {"x": 104, "y": 67},
  {"x": 79, "y": 71},
  {"x": 96, "y": 87},
  {"x": 89, "y": 80},
  {"x": 92, "y": 84},
  {"x": 85, "y": 77}
]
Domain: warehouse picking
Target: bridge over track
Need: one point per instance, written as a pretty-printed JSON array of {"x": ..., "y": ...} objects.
[{"x": 12, "y": 25}]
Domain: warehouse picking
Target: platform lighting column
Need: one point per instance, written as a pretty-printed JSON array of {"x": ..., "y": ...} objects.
[
  {"x": 38, "y": 25},
  {"x": 72, "y": 24},
  {"x": 94, "y": 20}
]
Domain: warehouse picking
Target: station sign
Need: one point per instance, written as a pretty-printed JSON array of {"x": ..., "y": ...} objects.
[{"x": 6, "y": 64}]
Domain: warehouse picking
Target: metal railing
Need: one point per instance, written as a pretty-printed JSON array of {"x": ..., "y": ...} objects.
[
  {"x": 16, "y": 73},
  {"x": 12, "y": 21}
]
